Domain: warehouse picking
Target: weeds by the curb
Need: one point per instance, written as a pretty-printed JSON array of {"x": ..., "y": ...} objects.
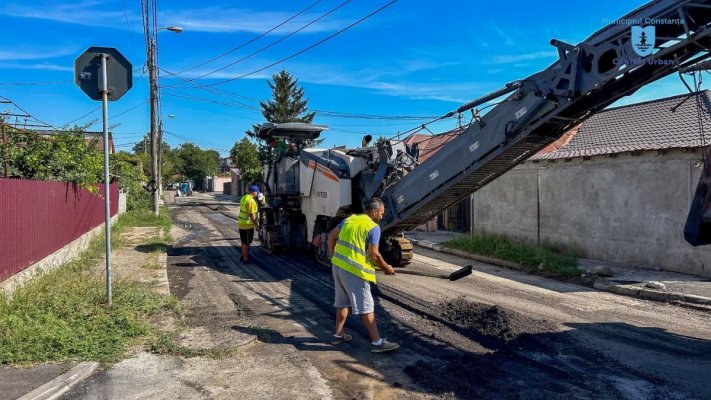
[
  {"x": 63, "y": 316},
  {"x": 559, "y": 263},
  {"x": 164, "y": 343}
]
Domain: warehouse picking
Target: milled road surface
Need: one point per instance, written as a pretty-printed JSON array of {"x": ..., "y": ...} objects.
[
  {"x": 496, "y": 334},
  {"x": 551, "y": 339}
]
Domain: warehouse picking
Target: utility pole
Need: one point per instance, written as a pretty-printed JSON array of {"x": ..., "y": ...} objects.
[
  {"x": 153, "y": 81},
  {"x": 160, "y": 157}
]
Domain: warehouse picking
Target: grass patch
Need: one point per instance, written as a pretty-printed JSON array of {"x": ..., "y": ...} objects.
[
  {"x": 152, "y": 262},
  {"x": 164, "y": 343},
  {"x": 63, "y": 316},
  {"x": 558, "y": 263},
  {"x": 147, "y": 218}
]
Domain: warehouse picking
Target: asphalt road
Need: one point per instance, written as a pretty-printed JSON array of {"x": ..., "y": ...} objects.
[{"x": 496, "y": 334}]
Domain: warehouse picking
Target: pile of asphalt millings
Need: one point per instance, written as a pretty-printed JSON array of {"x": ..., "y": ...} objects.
[
  {"x": 491, "y": 324},
  {"x": 501, "y": 374}
]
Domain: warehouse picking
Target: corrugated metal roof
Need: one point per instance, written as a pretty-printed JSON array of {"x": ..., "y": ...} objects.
[{"x": 672, "y": 122}]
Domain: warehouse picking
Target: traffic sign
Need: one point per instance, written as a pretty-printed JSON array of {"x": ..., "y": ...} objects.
[{"x": 87, "y": 73}]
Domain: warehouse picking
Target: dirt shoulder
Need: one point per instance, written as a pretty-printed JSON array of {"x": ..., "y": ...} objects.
[{"x": 211, "y": 350}]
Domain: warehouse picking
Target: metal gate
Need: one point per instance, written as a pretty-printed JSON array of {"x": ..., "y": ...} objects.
[{"x": 456, "y": 218}]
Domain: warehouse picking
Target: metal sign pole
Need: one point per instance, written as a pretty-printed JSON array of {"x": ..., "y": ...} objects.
[
  {"x": 103, "y": 88},
  {"x": 113, "y": 81}
]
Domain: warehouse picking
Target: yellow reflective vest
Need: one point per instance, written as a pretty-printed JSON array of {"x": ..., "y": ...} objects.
[
  {"x": 350, "y": 253},
  {"x": 247, "y": 206}
]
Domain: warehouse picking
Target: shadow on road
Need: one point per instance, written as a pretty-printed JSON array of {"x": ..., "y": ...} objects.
[{"x": 588, "y": 360}]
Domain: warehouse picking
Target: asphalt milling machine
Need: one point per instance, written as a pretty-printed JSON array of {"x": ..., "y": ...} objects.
[{"x": 310, "y": 190}]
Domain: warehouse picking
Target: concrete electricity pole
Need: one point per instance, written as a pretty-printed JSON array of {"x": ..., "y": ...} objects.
[{"x": 153, "y": 82}]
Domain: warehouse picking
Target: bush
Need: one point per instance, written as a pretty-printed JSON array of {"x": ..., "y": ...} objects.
[
  {"x": 138, "y": 199},
  {"x": 127, "y": 168}
]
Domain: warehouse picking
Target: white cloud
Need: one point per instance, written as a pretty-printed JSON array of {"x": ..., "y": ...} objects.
[
  {"x": 80, "y": 13},
  {"x": 24, "y": 53},
  {"x": 218, "y": 19},
  {"x": 207, "y": 19},
  {"x": 391, "y": 82},
  {"x": 41, "y": 66},
  {"x": 402, "y": 78}
]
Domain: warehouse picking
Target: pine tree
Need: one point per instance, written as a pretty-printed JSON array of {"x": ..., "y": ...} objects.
[{"x": 287, "y": 105}]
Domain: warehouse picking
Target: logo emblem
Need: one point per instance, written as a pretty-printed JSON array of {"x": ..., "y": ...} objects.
[{"x": 643, "y": 40}]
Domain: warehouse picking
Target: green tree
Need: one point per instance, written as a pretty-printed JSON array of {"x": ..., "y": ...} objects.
[
  {"x": 143, "y": 146},
  {"x": 131, "y": 178},
  {"x": 61, "y": 156},
  {"x": 245, "y": 156},
  {"x": 168, "y": 172},
  {"x": 142, "y": 150},
  {"x": 195, "y": 163},
  {"x": 288, "y": 104}
]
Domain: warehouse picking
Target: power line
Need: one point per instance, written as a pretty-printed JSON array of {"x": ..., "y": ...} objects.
[
  {"x": 111, "y": 117},
  {"x": 35, "y": 83},
  {"x": 130, "y": 31},
  {"x": 214, "y": 146},
  {"x": 324, "y": 113},
  {"x": 304, "y": 49},
  {"x": 83, "y": 116},
  {"x": 272, "y": 43},
  {"x": 33, "y": 117},
  {"x": 337, "y": 114},
  {"x": 251, "y": 40},
  {"x": 196, "y": 98}
]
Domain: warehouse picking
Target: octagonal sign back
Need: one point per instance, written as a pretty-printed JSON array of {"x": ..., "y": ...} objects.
[{"x": 87, "y": 72}]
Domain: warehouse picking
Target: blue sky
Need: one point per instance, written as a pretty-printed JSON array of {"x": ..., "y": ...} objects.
[{"x": 412, "y": 59}]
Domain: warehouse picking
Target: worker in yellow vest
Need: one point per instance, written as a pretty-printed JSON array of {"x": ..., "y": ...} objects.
[
  {"x": 353, "y": 246},
  {"x": 247, "y": 221}
]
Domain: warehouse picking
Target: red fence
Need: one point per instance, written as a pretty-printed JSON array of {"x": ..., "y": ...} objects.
[{"x": 38, "y": 217}]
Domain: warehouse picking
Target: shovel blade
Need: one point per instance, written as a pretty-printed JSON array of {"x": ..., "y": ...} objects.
[{"x": 461, "y": 273}]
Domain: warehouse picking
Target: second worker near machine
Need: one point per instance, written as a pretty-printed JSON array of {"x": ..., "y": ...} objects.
[{"x": 352, "y": 246}]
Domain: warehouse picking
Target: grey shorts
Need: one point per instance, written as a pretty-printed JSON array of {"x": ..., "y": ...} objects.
[{"x": 352, "y": 291}]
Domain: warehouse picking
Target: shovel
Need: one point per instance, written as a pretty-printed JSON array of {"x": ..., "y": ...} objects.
[{"x": 458, "y": 274}]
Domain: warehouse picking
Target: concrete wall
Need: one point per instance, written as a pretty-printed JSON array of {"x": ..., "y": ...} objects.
[
  {"x": 235, "y": 184},
  {"x": 508, "y": 206},
  {"x": 627, "y": 209},
  {"x": 219, "y": 182}
]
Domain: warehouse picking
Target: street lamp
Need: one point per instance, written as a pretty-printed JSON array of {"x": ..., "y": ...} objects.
[
  {"x": 176, "y": 29},
  {"x": 153, "y": 83}
]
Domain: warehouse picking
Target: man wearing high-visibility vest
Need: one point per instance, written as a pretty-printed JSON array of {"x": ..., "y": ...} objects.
[
  {"x": 353, "y": 246},
  {"x": 247, "y": 221}
]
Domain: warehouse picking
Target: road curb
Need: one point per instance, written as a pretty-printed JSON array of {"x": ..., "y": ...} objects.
[
  {"x": 476, "y": 257},
  {"x": 656, "y": 295},
  {"x": 59, "y": 385},
  {"x": 694, "y": 301}
]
